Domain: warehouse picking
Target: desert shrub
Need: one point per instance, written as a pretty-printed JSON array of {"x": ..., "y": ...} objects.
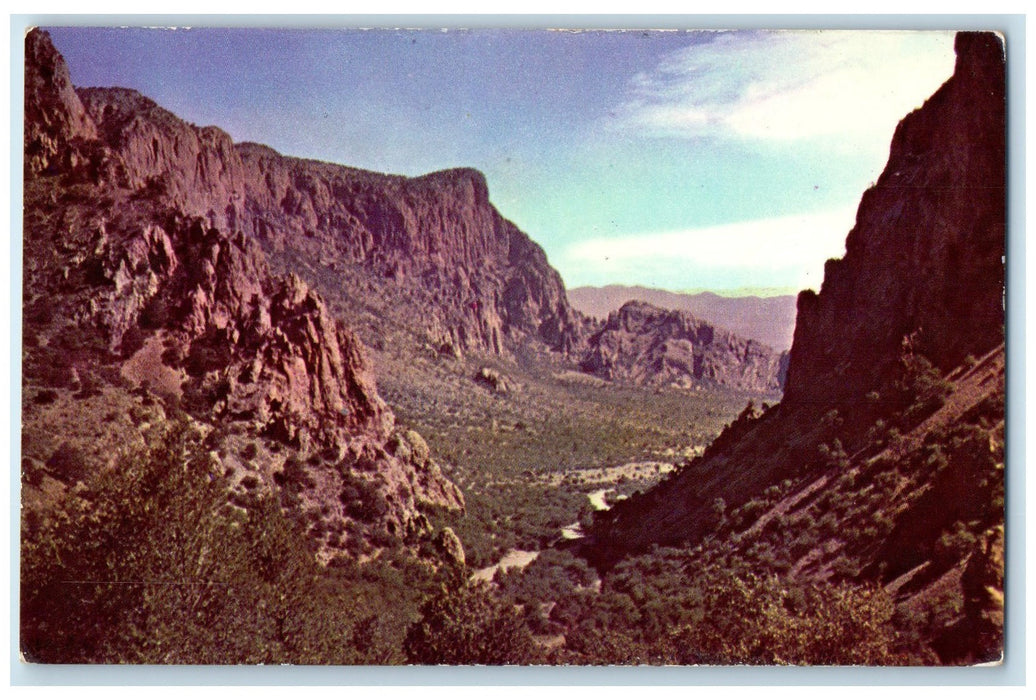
[
  {"x": 878, "y": 433},
  {"x": 294, "y": 476},
  {"x": 209, "y": 353},
  {"x": 51, "y": 368},
  {"x": 715, "y": 608},
  {"x": 132, "y": 341},
  {"x": 921, "y": 389},
  {"x": 745, "y": 515},
  {"x": 746, "y": 618},
  {"x": 832, "y": 421},
  {"x": 466, "y": 624},
  {"x": 833, "y": 456},
  {"x": 719, "y": 508},
  {"x": 362, "y": 499},
  {"x": 250, "y": 451},
  {"x": 953, "y": 545},
  {"x": 68, "y": 463},
  {"x": 155, "y": 313},
  {"x": 44, "y": 397},
  {"x": 554, "y": 573}
]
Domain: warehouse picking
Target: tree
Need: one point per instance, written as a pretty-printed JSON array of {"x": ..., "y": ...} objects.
[{"x": 466, "y": 624}]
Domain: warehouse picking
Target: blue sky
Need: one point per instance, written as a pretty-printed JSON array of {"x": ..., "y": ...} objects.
[{"x": 681, "y": 160}]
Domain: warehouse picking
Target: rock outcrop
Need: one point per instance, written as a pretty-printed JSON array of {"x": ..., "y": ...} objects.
[
  {"x": 644, "y": 345},
  {"x": 923, "y": 263},
  {"x": 54, "y": 116},
  {"x": 767, "y": 320},
  {"x": 124, "y": 245}
]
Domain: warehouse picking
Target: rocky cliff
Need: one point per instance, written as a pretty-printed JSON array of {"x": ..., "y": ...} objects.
[
  {"x": 645, "y": 345},
  {"x": 141, "y": 275},
  {"x": 884, "y": 462},
  {"x": 480, "y": 280},
  {"x": 923, "y": 264}
]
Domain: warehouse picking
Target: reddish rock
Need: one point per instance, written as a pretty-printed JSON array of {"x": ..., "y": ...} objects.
[
  {"x": 149, "y": 256},
  {"x": 885, "y": 457},
  {"x": 484, "y": 281},
  {"x": 644, "y": 345},
  {"x": 768, "y": 320},
  {"x": 54, "y": 116},
  {"x": 924, "y": 260}
]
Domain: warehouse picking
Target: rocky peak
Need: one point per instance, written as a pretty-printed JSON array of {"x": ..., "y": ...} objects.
[
  {"x": 923, "y": 262},
  {"x": 54, "y": 116},
  {"x": 644, "y": 344}
]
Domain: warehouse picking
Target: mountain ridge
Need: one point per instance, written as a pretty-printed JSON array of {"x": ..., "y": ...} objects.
[
  {"x": 768, "y": 320},
  {"x": 129, "y": 264},
  {"x": 424, "y": 231}
]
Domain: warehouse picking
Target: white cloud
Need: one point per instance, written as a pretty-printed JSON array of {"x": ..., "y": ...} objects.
[
  {"x": 786, "y": 86},
  {"x": 784, "y": 251}
]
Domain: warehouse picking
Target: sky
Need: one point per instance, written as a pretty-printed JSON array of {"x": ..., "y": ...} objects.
[{"x": 685, "y": 160}]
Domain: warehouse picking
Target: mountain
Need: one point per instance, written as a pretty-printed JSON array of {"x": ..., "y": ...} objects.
[
  {"x": 768, "y": 320},
  {"x": 480, "y": 281},
  {"x": 210, "y": 472},
  {"x": 926, "y": 268},
  {"x": 884, "y": 462},
  {"x": 148, "y": 295},
  {"x": 645, "y": 345}
]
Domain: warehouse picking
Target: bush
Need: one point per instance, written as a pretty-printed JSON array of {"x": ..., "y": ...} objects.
[
  {"x": 953, "y": 545},
  {"x": 467, "y": 625},
  {"x": 362, "y": 499},
  {"x": 68, "y": 463},
  {"x": 747, "y": 618}
]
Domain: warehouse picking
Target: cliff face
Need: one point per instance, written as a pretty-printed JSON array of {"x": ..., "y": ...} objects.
[
  {"x": 486, "y": 281},
  {"x": 54, "y": 116},
  {"x": 645, "y": 345},
  {"x": 884, "y": 462},
  {"x": 923, "y": 264},
  {"x": 135, "y": 262}
]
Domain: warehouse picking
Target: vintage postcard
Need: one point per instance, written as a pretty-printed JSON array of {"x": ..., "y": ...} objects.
[{"x": 350, "y": 346}]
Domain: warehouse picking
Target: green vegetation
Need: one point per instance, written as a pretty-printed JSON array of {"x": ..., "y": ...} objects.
[
  {"x": 525, "y": 459},
  {"x": 679, "y": 607},
  {"x": 469, "y": 625},
  {"x": 148, "y": 563}
]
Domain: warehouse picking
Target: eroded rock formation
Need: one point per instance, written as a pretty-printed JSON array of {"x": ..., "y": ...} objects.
[{"x": 645, "y": 345}]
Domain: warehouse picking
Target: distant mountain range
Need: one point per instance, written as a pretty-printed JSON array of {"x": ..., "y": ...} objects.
[{"x": 768, "y": 320}]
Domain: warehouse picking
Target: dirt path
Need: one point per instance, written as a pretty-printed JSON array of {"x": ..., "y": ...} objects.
[
  {"x": 572, "y": 532},
  {"x": 515, "y": 558},
  {"x": 518, "y": 558},
  {"x": 597, "y": 499},
  {"x": 631, "y": 471}
]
